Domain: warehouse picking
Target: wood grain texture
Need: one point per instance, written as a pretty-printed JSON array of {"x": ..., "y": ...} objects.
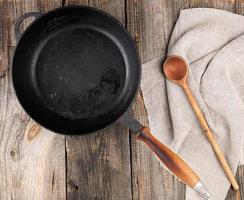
[
  {"x": 239, "y": 8},
  {"x": 144, "y": 19},
  {"x": 149, "y": 180},
  {"x": 109, "y": 164},
  {"x": 32, "y": 164},
  {"x": 240, "y": 178},
  {"x": 4, "y": 19},
  {"x": 98, "y": 164}
]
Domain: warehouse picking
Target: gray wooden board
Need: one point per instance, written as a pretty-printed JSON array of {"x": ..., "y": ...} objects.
[
  {"x": 98, "y": 165},
  {"x": 110, "y": 164}
]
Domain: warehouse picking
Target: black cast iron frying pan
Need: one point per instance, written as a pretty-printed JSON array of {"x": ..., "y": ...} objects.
[{"x": 76, "y": 70}]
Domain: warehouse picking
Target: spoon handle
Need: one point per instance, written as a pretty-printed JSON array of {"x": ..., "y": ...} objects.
[{"x": 210, "y": 136}]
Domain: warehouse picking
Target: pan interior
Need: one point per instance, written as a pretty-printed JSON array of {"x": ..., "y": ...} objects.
[
  {"x": 79, "y": 72},
  {"x": 75, "y": 70}
]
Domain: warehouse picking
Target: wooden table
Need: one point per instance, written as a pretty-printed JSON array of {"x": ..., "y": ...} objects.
[{"x": 36, "y": 164}]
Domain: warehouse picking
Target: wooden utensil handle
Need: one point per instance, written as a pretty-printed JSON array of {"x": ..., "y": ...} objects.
[
  {"x": 171, "y": 160},
  {"x": 210, "y": 137}
]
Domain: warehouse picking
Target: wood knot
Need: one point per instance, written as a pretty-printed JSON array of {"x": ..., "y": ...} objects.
[
  {"x": 104, "y": 2},
  {"x": 33, "y": 132},
  {"x": 136, "y": 37},
  {"x": 72, "y": 185},
  {"x": 13, "y": 154},
  {"x": 3, "y": 64}
]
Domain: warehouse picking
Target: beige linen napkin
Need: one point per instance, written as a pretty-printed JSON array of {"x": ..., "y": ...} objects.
[{"x": 212, "y": 41}]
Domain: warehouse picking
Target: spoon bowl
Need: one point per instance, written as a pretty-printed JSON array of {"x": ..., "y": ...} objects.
[{"x": 176, "y": 69}]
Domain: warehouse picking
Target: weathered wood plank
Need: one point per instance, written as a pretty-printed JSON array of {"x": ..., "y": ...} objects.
[
  {"x": 240, "y": 179},
  {"x": 32, "y": 164},
  {"x": 239, "y": 9},
  {"x": 98, "y": 164},
  {"x": 151, "y": 23},
  {"x": 149, "y": 180},
  {"x": 228, "y": 5},
  {"x": 4, "y": 21}
]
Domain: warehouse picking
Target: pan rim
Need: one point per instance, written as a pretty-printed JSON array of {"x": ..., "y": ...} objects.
[{"x": 129, "y": 103}]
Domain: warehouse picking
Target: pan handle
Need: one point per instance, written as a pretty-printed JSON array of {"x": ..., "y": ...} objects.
[
  {"x": 21, "y": 19},
  {"x": 170, "y": 159},
  {"x": 173, "y": 162}
]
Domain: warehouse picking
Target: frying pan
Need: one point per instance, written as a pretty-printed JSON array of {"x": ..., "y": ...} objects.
[{"x": 76, "y": 70}]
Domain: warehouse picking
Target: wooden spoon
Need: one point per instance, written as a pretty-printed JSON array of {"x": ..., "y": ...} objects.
[{"x": 176, "y": 70}]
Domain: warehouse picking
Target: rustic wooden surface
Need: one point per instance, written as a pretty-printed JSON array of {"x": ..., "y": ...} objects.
[
  {"x": 36, "y": 164},
  {"x": 32, "y": 159}
]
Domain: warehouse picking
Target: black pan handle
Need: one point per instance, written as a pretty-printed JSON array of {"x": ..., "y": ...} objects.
[{"x": 21, "y": 19}]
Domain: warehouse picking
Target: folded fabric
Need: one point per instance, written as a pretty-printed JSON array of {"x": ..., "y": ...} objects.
[{"x": 212, "y": 42}]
